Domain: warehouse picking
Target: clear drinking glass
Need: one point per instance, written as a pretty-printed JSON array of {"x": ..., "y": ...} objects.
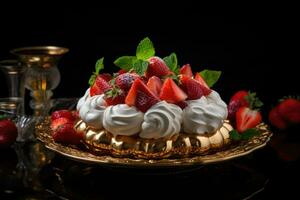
[
  {"x": 42, "y": 75},
  {"x": 15, "y": 74}
]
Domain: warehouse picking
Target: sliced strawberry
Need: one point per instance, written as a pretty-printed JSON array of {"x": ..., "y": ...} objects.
[
  {"x": 276, "y": 119},
  {"x": 114, "y": 100},
  {"x": 62, "y": 114},
  {"x": 106, "y": 76},
  {"x": 125, "y": 80},
  {"x": 171, "y": 93},
  {"x": 154, "y": 84},
  {"x": 182, "y": 104},
  {"x": 67, "y": 135},
  {"x": 192, "y": 88},
  {"x": 157, "y": 67},
  {"x": 237, "y": 100},
  {"x": 59, "y": 122},
  {"x": 141, "y": 96},
  {"x": 99, "y": 87},
  {"x": 289, "y": 109},
  {"x": 247, "y": 118},
  {"x": 207, "y": 90},
  {"x": 186, "y": 70}
]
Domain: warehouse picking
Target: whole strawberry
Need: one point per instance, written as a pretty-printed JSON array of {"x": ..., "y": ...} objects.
[
  {"x": 62, "y": 113},
  {"x": 286, "y": 113},
  {"x": 67, "y": 134},
  {"x": 157, "y": 67},
  {"x": 8, "y": 132},
  {"x": 125, "y": 80}
]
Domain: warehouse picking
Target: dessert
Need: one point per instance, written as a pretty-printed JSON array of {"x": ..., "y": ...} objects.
[{"x": 152, "y": 108}]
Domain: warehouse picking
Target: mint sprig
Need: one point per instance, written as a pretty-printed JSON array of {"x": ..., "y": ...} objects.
[
  {"x": 210, "y": 76},
  {"x": 98, "y": 67},
  {"x": 172, "y": 62},
  {"x": 140, "y": 67},
  {"x": 125, "y": 62},
  {"x": 246, "y": 135},
  {"x": 145, "y": 49}
]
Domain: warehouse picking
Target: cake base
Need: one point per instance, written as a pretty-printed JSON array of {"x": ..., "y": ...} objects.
[{"x": 101, "y": 142}]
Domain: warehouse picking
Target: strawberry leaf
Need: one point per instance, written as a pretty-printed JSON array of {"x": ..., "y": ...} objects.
[
  {"x": 234, "y": 135},
  {"x": 172, "y": 63},
  {"x": 145, "y": 49},
  {"x": 125, "y": 62},
  {"x": 253, "y": 100},
  {"x": 99, "y": 65},
  {"x": 210, "y": 76},
  {"x": 249, "y": 133},
  {"x": 3, "y": 117},
  {"x": 140, "y": 66}
]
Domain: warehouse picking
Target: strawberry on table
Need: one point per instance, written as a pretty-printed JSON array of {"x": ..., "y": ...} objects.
[
  {"x": 157, "y": 67},
  {"x": 141, "y": 96},
  {"x": 171, "y": 93},
  {"x": 59, "y": 122},
  {"x": 289, "y": 109},
  {"x": 247, "y": 118},
  {"x": 8, "y": 132}
]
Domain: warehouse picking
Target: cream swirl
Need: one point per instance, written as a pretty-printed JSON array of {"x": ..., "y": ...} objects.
[
  {"x": 122, "y": 119},
  {"x": 83, "y": 99},
  {"x": 161, "y": 120},
  {"x": 91, "y": 111},
  {"x": 204, "y": 115}
]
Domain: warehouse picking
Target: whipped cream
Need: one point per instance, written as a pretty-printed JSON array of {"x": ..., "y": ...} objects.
[
  {"x": 204, "y": 115},
  {"x": 91, "y": 110},
  {"x": 161, "y": 120},
  {"x": 83, "y": 99},
  {"x": 122, "y": 119}
]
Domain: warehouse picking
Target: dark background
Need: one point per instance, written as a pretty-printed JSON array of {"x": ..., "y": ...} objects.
[{"x": 253, "y": 49}]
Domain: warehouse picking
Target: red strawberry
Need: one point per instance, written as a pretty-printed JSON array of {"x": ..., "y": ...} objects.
[
  {"x": 171, "y": 93},
  {"x": 154, "y": 84},
  {"x": 116, "y": 99},
  {"x": 276, "y": 119},
  {"x": 99, "y": 87},
  {"x": 141, "y": 96},
  {"x": 62, "y": 114},
  {"x": 192, "y": 88},
  {"x": 75, "y": 114},
  {"x": 106, "y": 76},
  {"x": 247, "y": 118},
  {"x": 122, "y": 71},
  {"x": 237, "y": 100},
  {"x": 186, "y": 70},
  {"x": 59, "y": 122},
  {"x": 125, "y": 80},
  {"x": 8, "y": 132},
  {"x": 182, "y": 104},
  {"x": 67, "y": 134},
  {"x": 207, "y": 90},
  {"x": 289, "y": 109},
  {"x": 157, "y": 67}
]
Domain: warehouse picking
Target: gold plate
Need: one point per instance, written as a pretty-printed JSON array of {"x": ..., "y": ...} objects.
[{"x": 43, "y": 133}]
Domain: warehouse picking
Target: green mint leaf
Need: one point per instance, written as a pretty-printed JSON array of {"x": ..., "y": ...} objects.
[
  {"x": 234, "y": 135},
  {"x": 249, "y": 133},
  {"x": 125, "y": 62},
  {"x": 99, "y": 65},
  {"x": 145, "y": 49},
  {"x": 3, "y": 117},
  {"x": 210, "y": 76},
  {"x": 140, "y": 67},
  {"x": 92, "y": 79},
  {"x": 172, "y": 63}
]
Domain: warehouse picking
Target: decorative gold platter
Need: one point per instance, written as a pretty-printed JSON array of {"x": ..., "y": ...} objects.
[{"x": 43, "y": 133}]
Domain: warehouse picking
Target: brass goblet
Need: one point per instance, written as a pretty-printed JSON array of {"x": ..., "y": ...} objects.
[{"x": 42, "y": 75}]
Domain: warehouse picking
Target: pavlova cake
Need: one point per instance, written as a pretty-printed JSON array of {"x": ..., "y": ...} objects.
[{"x": 152, "y": 108}]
